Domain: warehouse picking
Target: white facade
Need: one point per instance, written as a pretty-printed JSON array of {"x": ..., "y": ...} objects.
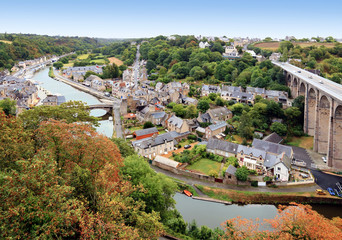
[{"x": 281, "y": 172}]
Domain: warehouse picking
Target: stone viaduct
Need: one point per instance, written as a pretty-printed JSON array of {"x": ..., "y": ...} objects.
[{"x": 323, "y": 110}]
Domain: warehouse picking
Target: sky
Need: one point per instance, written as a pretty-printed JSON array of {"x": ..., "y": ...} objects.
[{"x": 149, "y": 18}]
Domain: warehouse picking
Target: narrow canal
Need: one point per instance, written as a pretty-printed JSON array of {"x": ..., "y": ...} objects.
[{"x": 205, "y": 213}]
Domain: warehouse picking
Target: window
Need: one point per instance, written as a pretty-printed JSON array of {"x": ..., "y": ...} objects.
[{"x": 278, "y": 168}]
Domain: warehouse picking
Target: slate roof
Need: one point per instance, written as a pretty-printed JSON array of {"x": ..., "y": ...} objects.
[
  {"x": 242, "y": 95},
  {"x": 218, "y": 112},
  {"x": 274, "y": 138},
  {"x": 214, "y": 127},
  {"x": 205, "y": 117},
  {"x": 166, "y": 161},
  {"x": 146, "y": 131},
  {"x": 157, "y": 115},
  {"x": 176, "y": 121},
  {"x": 231, "y": 88},
  {"x": 271, "y": 160},
  {"x": 231, "y": 170},
  {"x": 251, "y": 150},
  {"x": 153, "y": 141},
  {"x": 255, "y": 90},
  {"x": 272, "y": 147},
  {"x": 216, "y": 144}
]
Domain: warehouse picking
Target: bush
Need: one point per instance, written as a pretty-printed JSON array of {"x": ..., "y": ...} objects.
[
  {"x": 148, "y": 125},
  {"x": 252, "y": 172},
  {"x": 242, "y": 174},
  {"x": 254, "y": 183},
  {"x": 213, "y": 173},
  {"x": 192, "y": 137}
]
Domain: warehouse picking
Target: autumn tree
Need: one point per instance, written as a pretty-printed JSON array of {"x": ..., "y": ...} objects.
[
  {"x": 295, "y": 221},
  {"x": 15, "y": 143},
  {"x": 72, "y": 111}
]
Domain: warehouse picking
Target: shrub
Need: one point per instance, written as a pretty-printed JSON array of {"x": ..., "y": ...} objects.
[
  {"x": 254, "y": 183},
  {"x": 242, "y": 174},
  {"x": 192, "y": 137},
  {"x": 213, "y": 173}
]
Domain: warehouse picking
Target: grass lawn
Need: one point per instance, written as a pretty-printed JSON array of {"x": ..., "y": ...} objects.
[
  {"x": 99, "y": 61},
  {"x": 83, "y": 56},
  {"x": 205, "y": 166},
  {"x": 70, "y": 64},
  {"x": 132, "y": 129},
  {"x": 304, "y": 142},
  {"x": 186, "y": 142}
]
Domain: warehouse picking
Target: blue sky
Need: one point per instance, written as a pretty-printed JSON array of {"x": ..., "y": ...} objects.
[{"x": 138, "y": 18}]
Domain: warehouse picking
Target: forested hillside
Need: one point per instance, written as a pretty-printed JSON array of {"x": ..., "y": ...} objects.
[{"x": 16, "y": 47}]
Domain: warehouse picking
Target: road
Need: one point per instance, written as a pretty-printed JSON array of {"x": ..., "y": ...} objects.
[
  {"x": 326, "y": 85},
  {"x": 117, "y": 121},
  {"x": 325, "y": 180},
  {"x": 193, "y": 181}
]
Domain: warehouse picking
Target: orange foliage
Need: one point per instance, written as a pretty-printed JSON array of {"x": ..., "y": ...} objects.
[
  {"x": 79, "y": 144},
  {"x": 296, "y": 221}
]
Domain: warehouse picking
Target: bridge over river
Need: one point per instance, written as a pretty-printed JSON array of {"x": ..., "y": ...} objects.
[
  {"x": 323, "y": 110},
  {"x": 113, "y": 109}
]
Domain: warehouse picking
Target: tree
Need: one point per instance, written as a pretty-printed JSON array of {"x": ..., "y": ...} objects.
[
  {"x": 212, "y": 96},
  {"x": 232, "y": 161},
  {"x": 191, "y": 111},
  {"x": 72, "y": 111},
  {"x": 111, "y": 71},
  {"x": 245, "y": 128},
  {"x": 124, "y": 148},
  {"x": 197, "y": 73},
  {"x": 219, "y": 101},
  {"x": 158, "y": 190},
  {"x": 279, "y": 128},
  {"x": 8, "y": 106},
  {"x": 15, "y": 142},
  {"x": 58, "y": 65},
  {"x": 242, "y": 173},
  {"x": 179, "y": 110},
  {"x": 150, "y": 64},
  {"x": 295, "y": 221},
  {"x": 148, "y": 124},
  {"x": 203, "y": 105}
]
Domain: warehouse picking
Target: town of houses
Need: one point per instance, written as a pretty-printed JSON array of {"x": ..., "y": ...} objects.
[{"x": 146, "y": 100}]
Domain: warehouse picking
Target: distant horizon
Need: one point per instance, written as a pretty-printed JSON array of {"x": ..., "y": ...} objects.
[
  {"x": 150, "y": 18},
  {"x": 251, "y": 37}
]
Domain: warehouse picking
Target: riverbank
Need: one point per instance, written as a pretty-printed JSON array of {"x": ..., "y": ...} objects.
[
  {"x": 93, "y": 92},
  {"x": 247, "y": 197}
]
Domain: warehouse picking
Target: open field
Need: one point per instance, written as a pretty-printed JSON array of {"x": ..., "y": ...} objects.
[
  {"x": 5, "y": 41},
  {"x": 303, "y": 142},
  {"x": 115, "y": 60},
  {"x": 99, "y": 61},
  {"x": 275, "y": 45},
  {"x": 83, "y": 56},
  {"x": 204, "y": 166}
]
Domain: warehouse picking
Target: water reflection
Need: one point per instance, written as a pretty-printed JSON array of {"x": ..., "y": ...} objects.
[{"x": 70, "y": 93}]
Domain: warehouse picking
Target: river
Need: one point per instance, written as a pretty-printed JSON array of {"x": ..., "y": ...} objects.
[
  {"x": 205, "y": 213},
  {"x": 70, "y": 93}
]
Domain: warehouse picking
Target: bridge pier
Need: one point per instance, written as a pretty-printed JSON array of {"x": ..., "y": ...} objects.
[{"x": 322, "y": 111}]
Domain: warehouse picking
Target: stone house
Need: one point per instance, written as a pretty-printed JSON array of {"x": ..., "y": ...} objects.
[
  {"x": 152, "y": 146},
  {"x": 222, "y": 148},
  {"x": 229, "y": 175},
  {"x": 177, "y": 124},
  {"x": 220, "y": 114},
  {"x": 252, "y": 158},
  {"x": 215, "y": 129}
]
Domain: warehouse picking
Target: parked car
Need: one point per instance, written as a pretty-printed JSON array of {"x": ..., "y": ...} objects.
[
  {"x": 338, "y": 193},
  {"x": 331, "y": 191},
  {"x": 187, "y": 146},
  {"x": 303, "y": 175},
  {"x": 320, "y": 192}
]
